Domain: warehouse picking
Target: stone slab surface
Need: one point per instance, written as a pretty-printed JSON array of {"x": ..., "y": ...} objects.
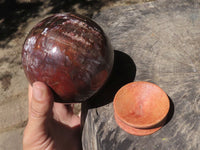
[{"x": 163, "y": 40}]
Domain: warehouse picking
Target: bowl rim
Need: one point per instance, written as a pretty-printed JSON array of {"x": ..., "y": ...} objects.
[
  {"x": 147, "y": 125},
  {"x": 138, "y": 131}
]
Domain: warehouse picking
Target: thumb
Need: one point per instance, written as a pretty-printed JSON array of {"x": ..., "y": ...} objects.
[{"x": 41, "y": 103}]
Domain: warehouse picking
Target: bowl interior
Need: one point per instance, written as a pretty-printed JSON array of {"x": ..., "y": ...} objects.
[{"x": 141, "y": 104}]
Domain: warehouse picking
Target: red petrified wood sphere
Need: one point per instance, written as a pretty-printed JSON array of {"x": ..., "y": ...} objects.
[{"x": 71, "y": 54}]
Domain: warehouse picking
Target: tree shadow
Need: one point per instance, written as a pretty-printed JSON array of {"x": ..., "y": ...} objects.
[
  {"x": 86, "y": 6},
  {"x": 13, "y": 14}
]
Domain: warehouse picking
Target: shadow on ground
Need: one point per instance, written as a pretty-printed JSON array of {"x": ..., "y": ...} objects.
[
  {"x": 14, "y": 13},
  {"x": 124, "y": 71},
  {"x": 89, "y": 7}
]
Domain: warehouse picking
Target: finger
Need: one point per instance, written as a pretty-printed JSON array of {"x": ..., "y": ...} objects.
[
  {"x": 29, "y": 96},
  {"x": 64, "y": 114},
  {"x": 41, "y": 102},
  {"x": 70, "y": 108}
]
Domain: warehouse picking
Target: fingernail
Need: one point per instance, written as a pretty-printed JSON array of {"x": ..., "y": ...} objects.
[{"x": 38, "y": 92}]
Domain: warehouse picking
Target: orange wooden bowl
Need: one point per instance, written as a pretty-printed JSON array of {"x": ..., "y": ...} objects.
[{"x": 141, "y": 108}]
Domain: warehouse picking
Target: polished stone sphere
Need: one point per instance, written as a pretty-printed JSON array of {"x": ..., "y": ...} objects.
[{"x": 71, "y": 54}]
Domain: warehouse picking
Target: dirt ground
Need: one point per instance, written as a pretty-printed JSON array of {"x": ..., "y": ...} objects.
[{"x": 17, "y": 17}]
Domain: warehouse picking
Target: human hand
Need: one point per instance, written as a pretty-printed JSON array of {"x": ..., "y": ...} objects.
[{"x": 51, "y": 126}]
